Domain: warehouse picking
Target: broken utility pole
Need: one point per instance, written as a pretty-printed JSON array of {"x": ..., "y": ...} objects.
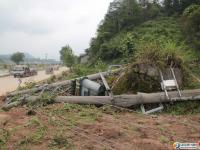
[{"x": 118, "y": 100}]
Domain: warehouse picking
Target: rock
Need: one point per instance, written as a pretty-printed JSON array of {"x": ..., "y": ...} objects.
[{"x": 153, "y": 72}]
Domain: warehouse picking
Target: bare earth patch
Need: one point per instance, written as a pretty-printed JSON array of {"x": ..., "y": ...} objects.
[{"x": 83, "y": 127}]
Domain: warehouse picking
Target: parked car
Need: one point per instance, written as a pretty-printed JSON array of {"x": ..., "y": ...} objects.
[{"x": 23, "y": 71}]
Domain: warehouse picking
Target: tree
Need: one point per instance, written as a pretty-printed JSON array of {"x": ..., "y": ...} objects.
[
  {"x": 121, "y": 15},
  {"x": 191, "y": 25},
  {"x": 177, "y": 6},
  {"x": 67, "y": 56},
  {"x": 186, "y": 3},
  {"x": 17, "y": 57},
  {"x": 168, "y": 7}
]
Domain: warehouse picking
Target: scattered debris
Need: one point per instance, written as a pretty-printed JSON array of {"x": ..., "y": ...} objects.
[{"x": 66, "y": 92}]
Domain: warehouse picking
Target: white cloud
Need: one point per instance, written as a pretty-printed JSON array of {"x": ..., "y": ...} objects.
[{"x": 44, "y": 26}]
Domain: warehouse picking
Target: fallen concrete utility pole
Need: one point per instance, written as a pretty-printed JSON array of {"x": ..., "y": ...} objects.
[
  {"x": 126, "y": 100},
  {"x": 62, "y": 83},
  {"x": 119, "y": 100}
]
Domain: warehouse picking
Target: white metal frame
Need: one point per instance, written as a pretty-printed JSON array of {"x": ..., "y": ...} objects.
[{"x": 166, "y": 85}]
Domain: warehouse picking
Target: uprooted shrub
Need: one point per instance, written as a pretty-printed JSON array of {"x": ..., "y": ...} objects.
[
  {"x": 142, "y": 74},
  {"x": 133, "y": 82},
  {"x": 160, "y": 56}
]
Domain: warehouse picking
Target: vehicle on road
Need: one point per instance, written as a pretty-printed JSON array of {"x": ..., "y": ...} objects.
[
  {"x": 56, "y": 67},
  {"x": 23, "y": 71},
  {"x": 49, "y": 70},
  {"x": 33, "y": 71}
]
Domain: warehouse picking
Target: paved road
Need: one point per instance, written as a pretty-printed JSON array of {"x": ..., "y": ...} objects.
[
  {"x": 3, "y": 72},
  {"x": 9, "y": 83}
]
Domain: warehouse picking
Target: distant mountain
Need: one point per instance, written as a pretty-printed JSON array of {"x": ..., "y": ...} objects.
[
  {"x": 29, "y": 59},
  {"x": 28, "y": 56},
  {"x": 5, "y": 56},
  {"x": 5, "y": 59},
  {"x": 1, "y": 61}
]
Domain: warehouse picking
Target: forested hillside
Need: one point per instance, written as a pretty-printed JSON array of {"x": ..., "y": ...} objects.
[{"x": 130, "y": 25}]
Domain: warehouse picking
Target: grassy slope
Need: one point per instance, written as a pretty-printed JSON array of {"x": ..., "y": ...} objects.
[{"x": 161, "y": 31}]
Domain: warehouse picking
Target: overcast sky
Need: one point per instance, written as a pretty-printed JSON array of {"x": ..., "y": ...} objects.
[{"x": 44, "y": 26}]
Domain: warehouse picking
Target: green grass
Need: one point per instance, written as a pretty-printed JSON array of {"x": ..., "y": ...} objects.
[
  {"x": 35, "y": 137},
  {"x": 162, "y": 129},
  {"x": 194, "y": 77},
  {"x": 4, "y": 137},
  {"x": 183, "y": 108},
  {"x": 61, "y": 141},
  {"x": 74, "y": 114},
  {"x": 28, "y": 85},
  {"x": 45, "y": 99},
  {"x": 164, "y": 139},
  {"x": 161, "y": 29}
]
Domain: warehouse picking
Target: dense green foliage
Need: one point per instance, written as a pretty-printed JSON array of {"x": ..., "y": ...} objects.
[
  {"x": 84, "y": 69},
  {"x": 128, "y": 25},
  {"x": 177, "y": 6},
  {"x": 121, "y": 16},
  {"x": 17, "y": 57},
  {"x": 183, "y": 108},
  {"x": 191, "y": 25}
]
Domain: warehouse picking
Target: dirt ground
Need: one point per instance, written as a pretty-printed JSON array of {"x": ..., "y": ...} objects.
[
  {"x": 9, "y": 83},
  {"x": 75, "y": 127}
]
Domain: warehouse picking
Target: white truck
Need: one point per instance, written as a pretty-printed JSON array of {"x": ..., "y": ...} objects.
[{"x": 23, "y": 71}]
